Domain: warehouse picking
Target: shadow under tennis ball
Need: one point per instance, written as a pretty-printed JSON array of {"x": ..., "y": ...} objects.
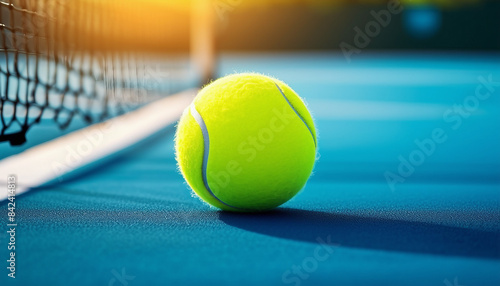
[{"x": 369, "y": 232}]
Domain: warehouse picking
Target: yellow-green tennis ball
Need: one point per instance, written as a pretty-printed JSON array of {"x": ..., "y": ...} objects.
[{"x": 246, "y": 143}]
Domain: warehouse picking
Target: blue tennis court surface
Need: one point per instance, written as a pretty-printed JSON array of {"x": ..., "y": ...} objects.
[{"x": 406, "y": 188}]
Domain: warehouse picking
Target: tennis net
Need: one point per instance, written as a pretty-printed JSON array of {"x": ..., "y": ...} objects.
[
  {"x": 89, "y": 60},
  {"x": 121, "y": 69}
]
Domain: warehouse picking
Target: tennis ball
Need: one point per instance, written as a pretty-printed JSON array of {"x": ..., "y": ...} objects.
[{"x": 246, "y": 143}]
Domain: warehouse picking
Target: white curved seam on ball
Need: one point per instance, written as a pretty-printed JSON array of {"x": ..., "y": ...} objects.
[
  {"x": 296, "y": 112},
  {"x": 206, "y": 146}
]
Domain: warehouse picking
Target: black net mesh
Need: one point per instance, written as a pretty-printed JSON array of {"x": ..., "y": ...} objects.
[{"x": 62, "y": 59}]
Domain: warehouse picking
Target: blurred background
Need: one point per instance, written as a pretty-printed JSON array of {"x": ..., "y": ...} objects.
[
  {"x": 281, "y": 25},
  {"x": 324, "y": 25}
]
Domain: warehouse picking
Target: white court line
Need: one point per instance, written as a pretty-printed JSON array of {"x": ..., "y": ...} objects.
[{"x": 48, "y": 161}]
